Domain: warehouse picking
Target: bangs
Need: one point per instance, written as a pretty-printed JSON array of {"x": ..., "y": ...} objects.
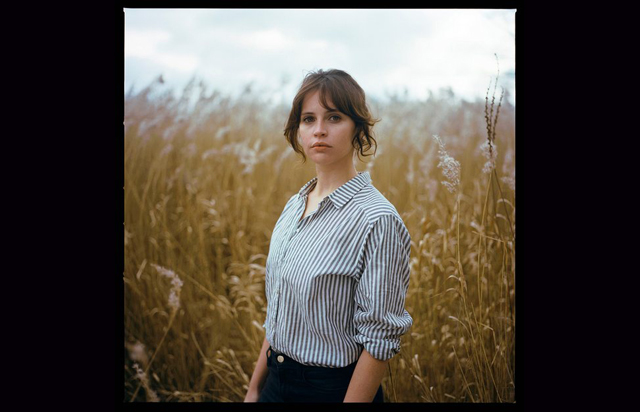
[{"x": 338, "y": 96}]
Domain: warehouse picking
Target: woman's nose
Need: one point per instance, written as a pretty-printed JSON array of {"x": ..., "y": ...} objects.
[{"x": 320, "y": 129}]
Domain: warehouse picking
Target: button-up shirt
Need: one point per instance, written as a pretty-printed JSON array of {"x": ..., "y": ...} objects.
[{"x": 336, "y": 280}]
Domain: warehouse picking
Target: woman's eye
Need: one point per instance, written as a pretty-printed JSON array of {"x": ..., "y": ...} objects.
[
  {"x": 334, "y": 118},
  {"x": 307, "y": 119}
]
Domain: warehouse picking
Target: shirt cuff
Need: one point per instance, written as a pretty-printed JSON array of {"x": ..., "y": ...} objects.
[{"x": 380, "y": 349}]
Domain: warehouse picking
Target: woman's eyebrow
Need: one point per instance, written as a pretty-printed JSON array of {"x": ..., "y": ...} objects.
[{"x": 328, "y": 111}]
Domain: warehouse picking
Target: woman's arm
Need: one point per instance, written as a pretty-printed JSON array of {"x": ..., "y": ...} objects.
[
  {"x": 366, "y": 378},
  {"x": 259, "y": 375},
  {"x": 380, "y": 317}
]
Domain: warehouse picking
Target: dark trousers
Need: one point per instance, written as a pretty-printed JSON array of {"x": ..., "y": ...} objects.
[{"x": 290, "y": 381}]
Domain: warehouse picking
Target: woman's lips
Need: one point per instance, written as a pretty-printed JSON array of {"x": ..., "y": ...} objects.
[{"x": 320, "y": 147}]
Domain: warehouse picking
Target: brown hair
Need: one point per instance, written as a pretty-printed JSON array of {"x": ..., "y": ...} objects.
[{"x": 346, "y": 95}]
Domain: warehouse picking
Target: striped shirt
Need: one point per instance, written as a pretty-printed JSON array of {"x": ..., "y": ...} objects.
[{"x": 336, "y": 280}]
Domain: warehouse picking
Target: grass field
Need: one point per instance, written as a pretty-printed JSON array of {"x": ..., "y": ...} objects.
[{"x": 206, "y": 178}]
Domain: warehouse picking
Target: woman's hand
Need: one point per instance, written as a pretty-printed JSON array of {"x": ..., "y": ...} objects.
[
  {"x": 259, "y": 374},
  {"x": 252, "y": 396}
]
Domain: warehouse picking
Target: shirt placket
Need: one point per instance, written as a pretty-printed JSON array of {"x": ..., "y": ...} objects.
[{"x": 300, "y": 224}]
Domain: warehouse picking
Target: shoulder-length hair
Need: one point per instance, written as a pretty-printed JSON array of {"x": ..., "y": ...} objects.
[{"x": 347, "y": 97}]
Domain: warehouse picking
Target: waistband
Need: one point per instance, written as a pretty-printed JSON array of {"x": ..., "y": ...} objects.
[{"x": 281, "y": 360}]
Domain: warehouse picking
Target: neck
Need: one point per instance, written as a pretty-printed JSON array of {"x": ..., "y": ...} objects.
[{"x": 331, "y": 179}]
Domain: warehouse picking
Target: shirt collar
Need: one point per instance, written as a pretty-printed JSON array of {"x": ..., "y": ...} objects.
[{"x": 344, "y": 193}]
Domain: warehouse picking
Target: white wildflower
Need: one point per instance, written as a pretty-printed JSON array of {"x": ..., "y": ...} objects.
[
  {"x": 249, "y": 157},
  {"x": 510, "y": 181},
  {"x": 410, "y": 173},
  {"x": 169, "y": 133},
  {"x": 210, "y": 152},
  {"x": 174, "y": 296},
  {"x": 450, "y": 167},
  {"x": 432, "y": 188},
  {"x": 222, "y": 132},
  {"x": 509, "y": 170},
  {"x": 137, "y": 353},
  {"x": 167, "y": 149},
  {"x": 174, "y": 299},
  {"x": 283, "y": 156},
  {"x": 426, "y": 162},
  {"x": 490, "y": 152},
  {"x": 146, "y": 126},
  {"x": 508, "y": 163},
  {"x": 142, "y": 377}
]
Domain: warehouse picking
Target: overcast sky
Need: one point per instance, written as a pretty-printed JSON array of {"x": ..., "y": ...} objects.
[{"x": 385, "y": 50}]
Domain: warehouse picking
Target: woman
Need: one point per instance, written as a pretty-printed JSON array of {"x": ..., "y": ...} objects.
[{"x": 338, "y": 265}]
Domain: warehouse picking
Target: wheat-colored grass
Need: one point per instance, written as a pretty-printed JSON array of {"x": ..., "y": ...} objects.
[{"x": 206, "y": 177}]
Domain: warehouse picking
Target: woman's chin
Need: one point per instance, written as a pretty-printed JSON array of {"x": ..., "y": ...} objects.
[{"x": 322, "y": 160}]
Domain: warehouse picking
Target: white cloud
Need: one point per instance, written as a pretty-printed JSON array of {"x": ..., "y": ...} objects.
[
  {"x": 143, "y": 43},
  {"x": 383, "y": 49},
  {"x": 181, "y": 62},
  {"x": 147, "y": 44},
  {"x": 266, "y": 40}
]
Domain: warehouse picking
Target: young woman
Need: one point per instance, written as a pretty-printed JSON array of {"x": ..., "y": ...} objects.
[{"x": 338, "y": 266}]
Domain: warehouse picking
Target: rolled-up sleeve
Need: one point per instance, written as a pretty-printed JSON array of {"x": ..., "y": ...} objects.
[{"x": 380, "y": 317}]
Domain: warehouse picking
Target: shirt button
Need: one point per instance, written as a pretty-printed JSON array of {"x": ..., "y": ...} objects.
[{"x": 280, "y": 359}]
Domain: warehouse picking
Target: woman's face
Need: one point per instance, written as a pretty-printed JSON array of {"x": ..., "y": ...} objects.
[{"x": 330, "y": 127}]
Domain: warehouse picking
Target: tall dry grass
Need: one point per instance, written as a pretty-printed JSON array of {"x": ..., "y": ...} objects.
[{"x": 206, "y": 177}]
